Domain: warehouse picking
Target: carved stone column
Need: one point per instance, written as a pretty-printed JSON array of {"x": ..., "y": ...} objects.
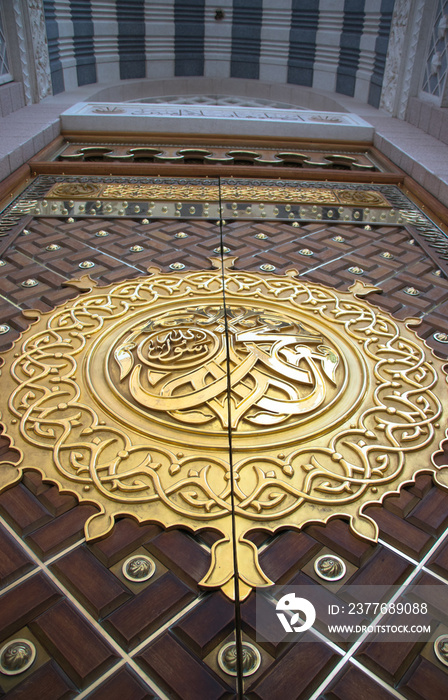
[
  {"x": 405, "y": 53},
  {"x": 27, "y": 47}
]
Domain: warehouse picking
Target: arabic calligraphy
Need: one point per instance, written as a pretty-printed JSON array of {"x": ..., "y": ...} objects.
[
  {"x": 208, "y": 191},
  {"x": 178, "y": 365}
]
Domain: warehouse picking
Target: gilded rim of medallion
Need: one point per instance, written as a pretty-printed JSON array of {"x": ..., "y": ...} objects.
[
  {"x": 440, "y": 337},
  {"x": 412, "y": 291},
  {"x": 443, "y": 638},
  {"x": 134, "y": 559},
  {"x": 334, "y": 558},
  {"x": 30, "y": 282},
  {"x": 252, "y": 650},
  {"x": 28, "y": 663}
]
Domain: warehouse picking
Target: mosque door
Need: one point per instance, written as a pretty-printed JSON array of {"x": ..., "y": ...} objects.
[{"x": 187, "y": 372}]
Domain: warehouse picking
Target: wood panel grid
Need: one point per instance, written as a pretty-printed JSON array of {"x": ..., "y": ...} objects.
[{"x": 109, "y": 638}]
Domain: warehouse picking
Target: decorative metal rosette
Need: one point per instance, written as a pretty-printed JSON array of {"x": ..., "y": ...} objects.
[{"x": 227, "y": 659}]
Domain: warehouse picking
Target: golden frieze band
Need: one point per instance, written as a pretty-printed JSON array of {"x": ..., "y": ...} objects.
[
  {"x": 129, "y": 396},
  {"x": 209, "y": 190},
  {"x": 221, "y": 199}
]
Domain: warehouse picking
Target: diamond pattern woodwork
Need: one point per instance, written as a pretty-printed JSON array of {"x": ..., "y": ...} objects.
[{"x": 130, "y": 639}]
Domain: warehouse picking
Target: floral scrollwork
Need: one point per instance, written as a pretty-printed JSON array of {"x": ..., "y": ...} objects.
[{"x": 123, "y": 397}]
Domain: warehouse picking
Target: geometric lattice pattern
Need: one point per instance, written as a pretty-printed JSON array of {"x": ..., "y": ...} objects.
[
  {"x": 436, "y": 68},
  {"x": 4, "y": 67},
  {"x": 221, "y": 100}
]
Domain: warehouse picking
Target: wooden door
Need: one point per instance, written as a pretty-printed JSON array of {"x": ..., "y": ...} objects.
[{"x": 99, "y": 634}]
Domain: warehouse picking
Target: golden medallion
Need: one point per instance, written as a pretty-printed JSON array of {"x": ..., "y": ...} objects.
[{"x": 233, "y": 401}]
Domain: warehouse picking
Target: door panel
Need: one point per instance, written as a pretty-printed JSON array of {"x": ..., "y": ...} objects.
[
  {"x": 80, "y": 587},
  {"x": 97, "y": 630}
]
